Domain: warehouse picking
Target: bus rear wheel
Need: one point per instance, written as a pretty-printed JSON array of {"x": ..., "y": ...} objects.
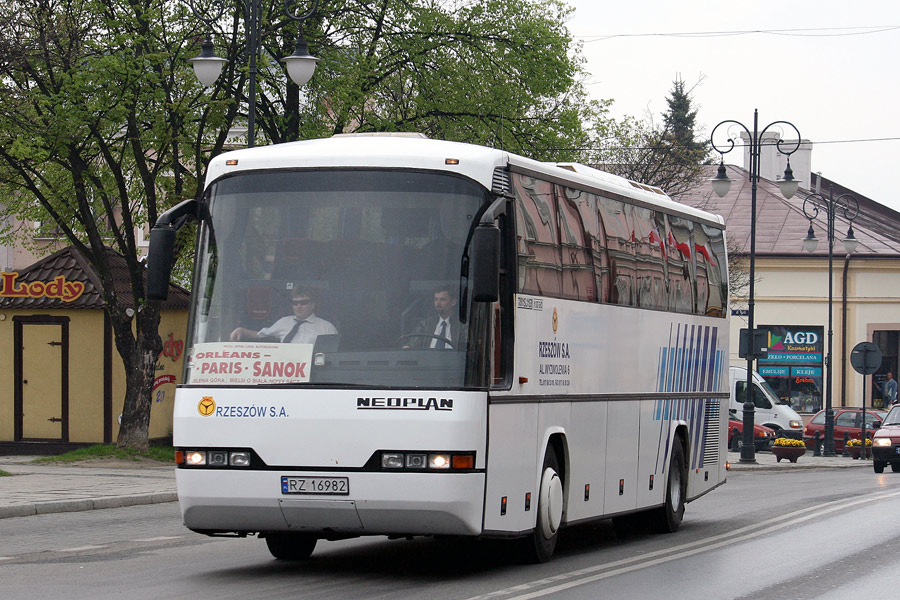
[
  {"x": 668, "y": 517},
  {"x": 291, "y": 546},
  {"x": 541, "y": 543}
]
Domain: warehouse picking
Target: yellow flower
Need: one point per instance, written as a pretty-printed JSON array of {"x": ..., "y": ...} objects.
[
  {"x": 858, "y": 443},
  {"x": 788, "y": 442}
]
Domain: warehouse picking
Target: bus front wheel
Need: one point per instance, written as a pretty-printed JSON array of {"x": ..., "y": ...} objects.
[
  {"x": 668, "y": 517},
  {"x": 542, "y": 541},
  {"x": 291, "y": 546}
]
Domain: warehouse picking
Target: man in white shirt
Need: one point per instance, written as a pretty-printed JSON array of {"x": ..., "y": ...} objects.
[
  {"x": 444, "y": 324},
  {"x": 302, "y": 327}
]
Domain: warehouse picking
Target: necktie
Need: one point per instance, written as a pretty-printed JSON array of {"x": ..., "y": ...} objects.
[
  {"x": 443, "y": 332},
  {"x": 293, "y": 331}
]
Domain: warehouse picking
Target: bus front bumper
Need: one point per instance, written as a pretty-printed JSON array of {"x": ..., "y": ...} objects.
[{"x": 226, "y": 501}]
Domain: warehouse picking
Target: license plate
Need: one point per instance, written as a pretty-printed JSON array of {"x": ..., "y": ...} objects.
[{"x": 315, "y": 485}]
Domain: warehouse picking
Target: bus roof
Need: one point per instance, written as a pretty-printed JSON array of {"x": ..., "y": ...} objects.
[{"x": 415, "y": 151}]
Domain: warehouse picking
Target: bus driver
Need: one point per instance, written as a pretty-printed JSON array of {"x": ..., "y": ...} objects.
[{"x": 302, "y": 327}]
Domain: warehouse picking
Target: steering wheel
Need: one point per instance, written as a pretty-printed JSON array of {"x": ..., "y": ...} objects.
[{"x": 429, "y": 336}]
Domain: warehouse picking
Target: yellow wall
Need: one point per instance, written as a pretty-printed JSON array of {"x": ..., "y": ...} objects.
[
  {"x": 794, "y": 291},
  {"x": 7, "y": 413},
  {"x": 86, "y": 373}
]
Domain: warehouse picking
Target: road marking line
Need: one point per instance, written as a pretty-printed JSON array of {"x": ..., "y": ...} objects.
[
  {"x": 592, "y": 574},
  {"x": 82, "y": 548},
  {"x": 161, "y": 538}
]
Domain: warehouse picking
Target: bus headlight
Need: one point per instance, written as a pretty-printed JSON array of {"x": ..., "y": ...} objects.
[
  {"x": 195, "y": 458},
  {"x": 416, "y": 461},
  {"x": 213, "y": 458},
  {"x": 392, "y": 460},
  {"x": 795, "y": 424},
  {"x": 217, "y": 458},
  {"x": 239, "y": 459},
  {"x": 424, "y": 461},
  {"x": 438, "y": 461}
]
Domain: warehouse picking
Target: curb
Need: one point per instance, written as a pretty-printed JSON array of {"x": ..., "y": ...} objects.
[
  {"x": 58, "y": 506},
  {"x": 752, "y": 468}
]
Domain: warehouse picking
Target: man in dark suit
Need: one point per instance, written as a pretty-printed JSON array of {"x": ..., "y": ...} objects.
[{"x": 444, "y": 324}]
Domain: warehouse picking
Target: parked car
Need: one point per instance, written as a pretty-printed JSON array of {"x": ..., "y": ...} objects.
[
  {"x": 771, "y": 411},
  {"x": 847, "y": 419},
  {"x": 762, "y": 436},
  {"x": 886, "y": 443}
]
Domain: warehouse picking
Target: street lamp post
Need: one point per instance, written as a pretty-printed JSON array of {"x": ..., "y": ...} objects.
[
  {"x": 207, "y": 66},
  {"x": 721, "y": 184},
  {"x": 849, "y": 206}
]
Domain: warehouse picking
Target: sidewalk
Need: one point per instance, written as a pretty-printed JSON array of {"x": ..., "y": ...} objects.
[
  {"x": 766, "y": 461},
  {"x": 40, "y": 488}
]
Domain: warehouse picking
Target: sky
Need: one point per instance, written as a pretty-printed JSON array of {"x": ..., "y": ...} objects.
[{"x": 830, "y": 67}]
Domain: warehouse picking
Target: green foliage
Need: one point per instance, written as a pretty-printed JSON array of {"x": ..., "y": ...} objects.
[
  {"x": 103, "y": 125},
  {"x": 493, "y": 72},
  {"x": 164, "y": 454},
  {"x": 99, "y": 132},
  {"x": 668, "y": 155}
]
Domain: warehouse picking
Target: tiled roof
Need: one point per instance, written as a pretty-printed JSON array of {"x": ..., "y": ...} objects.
[
  {"x": 73, "y": 266},
  {"x": 781, "y": 224}
]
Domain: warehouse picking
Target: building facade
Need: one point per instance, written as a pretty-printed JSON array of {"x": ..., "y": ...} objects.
[
  {"x": 791, "y": 290},
  {"x": 62, "y": 382}
]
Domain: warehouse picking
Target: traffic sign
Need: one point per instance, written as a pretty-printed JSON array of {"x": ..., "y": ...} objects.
[{"x": 865, "y": 358}]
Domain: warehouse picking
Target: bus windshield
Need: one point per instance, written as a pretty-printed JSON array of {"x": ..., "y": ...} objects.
[{"x": 337, "y": 277}]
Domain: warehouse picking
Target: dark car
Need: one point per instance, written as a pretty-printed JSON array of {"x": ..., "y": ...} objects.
[
  {"x": 886, "y": 443},
  {"x": 762, "y": 436},
  {"x": 846, "y": 419}
]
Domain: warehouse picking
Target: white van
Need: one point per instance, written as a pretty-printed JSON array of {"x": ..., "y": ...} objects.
[{"x": 771, "y": 411}]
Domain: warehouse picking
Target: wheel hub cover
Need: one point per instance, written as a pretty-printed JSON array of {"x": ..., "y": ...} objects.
[{"x": 551, "y": 502}]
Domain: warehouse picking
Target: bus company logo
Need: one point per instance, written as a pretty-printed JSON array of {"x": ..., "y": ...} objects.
[
  {"x": 555, "y": 320},
  {"x": 207, "y": 406},
  {"x": 417, "y": 403}
]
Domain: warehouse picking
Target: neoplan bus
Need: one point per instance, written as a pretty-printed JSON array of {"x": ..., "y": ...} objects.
[{"x": 589, "y": 379}]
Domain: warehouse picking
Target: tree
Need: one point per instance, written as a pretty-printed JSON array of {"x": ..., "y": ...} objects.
[
  {"x": 102, "y": 125},
  {"x": 495, "y": 72},
  {"x": 668, "y": 156},
  {"x": 95, "y": 118}
]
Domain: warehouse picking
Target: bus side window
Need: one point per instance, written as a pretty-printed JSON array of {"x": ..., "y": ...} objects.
[{"x": 540, "y": 268}]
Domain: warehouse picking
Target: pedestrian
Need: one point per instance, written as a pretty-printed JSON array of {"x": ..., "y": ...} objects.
[{"x": 889, "y": 390}]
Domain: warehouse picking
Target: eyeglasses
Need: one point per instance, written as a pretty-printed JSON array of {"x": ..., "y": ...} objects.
[{"x": 302, "y": 302}]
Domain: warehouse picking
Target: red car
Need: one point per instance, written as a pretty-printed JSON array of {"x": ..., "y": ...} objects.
[
  {"x": 886, "y": 443},
  {"x": 762, "y": 436},
  {"x": 846, "y": 419}
]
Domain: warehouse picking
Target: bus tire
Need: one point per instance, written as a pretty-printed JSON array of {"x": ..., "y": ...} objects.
[
  {"x": 668, "y": 517},
  {"x": 542, "y": 541},
  {"x": 291, "y": 546}
]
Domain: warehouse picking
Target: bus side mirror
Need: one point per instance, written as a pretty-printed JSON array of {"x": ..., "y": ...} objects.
[
  {"x": 161, "y": 255},
  {"x": 485, "y": 261},
  {"x": 160, "y": 258}
]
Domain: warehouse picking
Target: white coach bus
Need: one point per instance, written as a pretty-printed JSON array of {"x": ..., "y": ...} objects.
[{"x": 581, "y": 373}]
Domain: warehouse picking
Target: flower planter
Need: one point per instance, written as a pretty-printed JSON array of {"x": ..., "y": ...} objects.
[
  {"x": 856, "y": 451},
  {"x": 792, "y": 453}
]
